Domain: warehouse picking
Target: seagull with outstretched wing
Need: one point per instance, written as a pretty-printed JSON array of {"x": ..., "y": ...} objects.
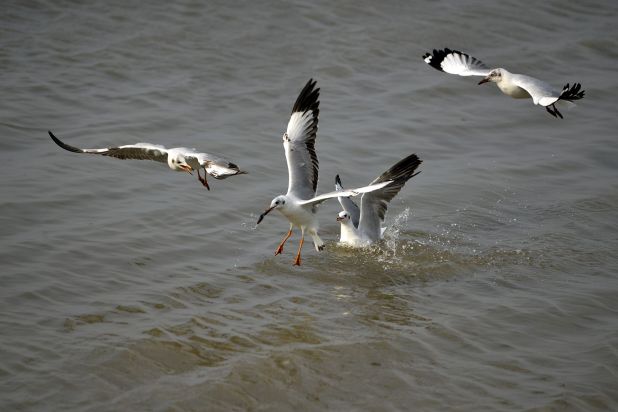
[
  {"x": 518, "y": 86},
  {"x": 300, "y": 203},
  {"x": 180, "y": 159},
  {"x": 363, "y": 226}
]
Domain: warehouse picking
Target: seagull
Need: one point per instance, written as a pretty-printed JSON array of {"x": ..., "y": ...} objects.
[
  {"x": 362, "y": 227},
  {"x": 518, "y": 86},
  {"x": 180, "y": 159},
  {"x": 299, "y": 204}
]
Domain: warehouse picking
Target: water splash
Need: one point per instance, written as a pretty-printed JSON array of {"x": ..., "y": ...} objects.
[
  {"x": 392, "y": 233},
  {"x": 249, "y": 223}
]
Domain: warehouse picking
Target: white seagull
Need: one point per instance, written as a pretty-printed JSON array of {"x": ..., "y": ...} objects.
[
  {"x": 180, "y": 159},
  {"x": 362, "y": 227},
  {"x": 518, "y": 86},
  {"x": 299, "y": 204}
]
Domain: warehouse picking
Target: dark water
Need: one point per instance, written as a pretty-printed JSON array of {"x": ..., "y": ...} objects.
[{"x": 124, "y": 286}]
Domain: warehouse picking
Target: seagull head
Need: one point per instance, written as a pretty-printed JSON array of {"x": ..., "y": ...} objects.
[
  {"x": 179, "y": 163},
  {"x": 277, "y": 203},
  {"x": 344, "y": 217},
  {"x": 494, "y": 76}
]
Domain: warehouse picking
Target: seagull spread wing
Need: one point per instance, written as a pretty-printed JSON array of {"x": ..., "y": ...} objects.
[
  {"x": 347, "y": 203},
  {"x": 375, "y": 203},
  {"x": 140, "y": 151},
  {"x": 351, "y": 192},
  {"x": 541, "y": 92},
  {"x": 299, "y": 143},
  {"x": 456, "y": 62}
]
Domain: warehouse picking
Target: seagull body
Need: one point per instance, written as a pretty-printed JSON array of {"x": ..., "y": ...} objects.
[
  {"x": 518, "y": 86},
  {"x": 363, "y": 226},
  {"x": 299, "y": 204},
  {"x": 180, "y": 159}
]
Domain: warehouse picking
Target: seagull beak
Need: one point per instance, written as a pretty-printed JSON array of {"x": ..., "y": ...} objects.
[
  {"x": 485, "y": 80},
  {"x": 186, "y": 168},
  {"x": 267, "y": 211}
]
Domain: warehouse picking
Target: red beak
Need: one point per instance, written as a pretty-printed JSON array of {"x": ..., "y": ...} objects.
[{"x": 186, "y": 168}]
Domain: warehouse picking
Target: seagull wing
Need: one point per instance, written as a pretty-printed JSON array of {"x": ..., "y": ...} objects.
[
  {"x": 375, "y": 203},
  {"x": 140, "y": 151},
  {"x": 218, "y": 167},
  {"x": 347, "y": 203},
  {"x": 541, "y": 92},
  {"x": 351, "y": 192},
  {"x": 574, "y": 92},
  {"x": 299, "y": 143},
  {"x": 456, "y": 62}
]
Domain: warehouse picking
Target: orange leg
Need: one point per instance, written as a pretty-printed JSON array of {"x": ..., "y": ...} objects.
[
  {"x": 285, "y": 239},
  {"x": 297, "y": 260},
  {"x": 203, "y": 180}
]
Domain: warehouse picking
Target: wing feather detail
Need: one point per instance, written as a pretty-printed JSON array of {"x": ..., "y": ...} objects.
[
  {"x": 138, "y": 151},
  {"x": 456, "y": 62},
  {"x": 299, "y": 143},
  {"x": 374, "y": 204}
]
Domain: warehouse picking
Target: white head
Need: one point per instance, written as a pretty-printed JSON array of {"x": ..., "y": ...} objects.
[
  {"x": 344, "y": 217},
  {"x": 280, "y": 202},
  {"x": 176, "y": 161},
  {"x": 494, "y": 76}
]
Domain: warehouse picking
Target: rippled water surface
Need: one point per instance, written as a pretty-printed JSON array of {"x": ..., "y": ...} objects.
[{"x": 124, "y": 286}]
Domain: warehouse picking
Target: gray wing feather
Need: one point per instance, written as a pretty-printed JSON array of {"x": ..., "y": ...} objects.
[
  {"x": 374, "y": 204},
  {"x": 139, "y": 151},
  {"x": 299, "y": 143},
  {"x": 218, "y": 167}
]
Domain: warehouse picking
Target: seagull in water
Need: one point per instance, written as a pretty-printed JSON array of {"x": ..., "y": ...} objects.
[
  {"x": 299, "y": 204},
  {"x": 179, "y": 159},
  {"x": 518, "y": 86},
  {"x": 362, "y": 227}
]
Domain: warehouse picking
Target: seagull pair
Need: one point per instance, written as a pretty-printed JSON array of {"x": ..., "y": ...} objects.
[
  {"x": 180, "y": 159},
  {"x": 518, "y": 86},
  {"x": 299, "y": 204}
]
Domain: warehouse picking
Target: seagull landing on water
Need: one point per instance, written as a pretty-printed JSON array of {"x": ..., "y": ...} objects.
[
  {"x": 362, "y": 227},
  {"x": 518, "y": 86},
  {"x": 299, "y": 204},
  {"x": 179, "y": 159}
]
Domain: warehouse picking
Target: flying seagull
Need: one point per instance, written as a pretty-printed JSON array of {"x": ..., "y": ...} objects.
[
  {"x": 299, "y": 204},
  {"x": 179, "y": 159},
  {"x": 518, "y": 86},
  {"x": 362, "y": 227}
]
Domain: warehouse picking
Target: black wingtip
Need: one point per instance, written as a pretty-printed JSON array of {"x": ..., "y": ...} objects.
[
  {"x": 338, "y": 181},
  {"x": 64, "y": 145},
  {"x": 437, "y": 57},
  {"x": 402, "y": 170},
  {"x": 572, "y": 93},
  {"x": 308, "y": 99}
]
